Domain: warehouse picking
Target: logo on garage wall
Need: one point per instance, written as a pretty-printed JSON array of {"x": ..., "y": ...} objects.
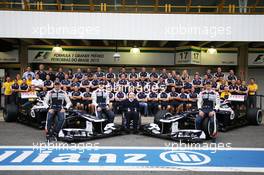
[
  {"x": 41, "y": 55},
  {"x": 259, "y": 59}
]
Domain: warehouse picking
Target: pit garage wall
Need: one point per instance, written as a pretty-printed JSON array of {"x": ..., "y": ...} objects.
[
  {"x": 258, "y": 73},
  {"x": 9, "y": 62},
  {"x": 180, "y": 56},
  {"x": 194, "y": 59},
  {"x": 191, "y": 58},
  {"x": 256, "y": 68}
]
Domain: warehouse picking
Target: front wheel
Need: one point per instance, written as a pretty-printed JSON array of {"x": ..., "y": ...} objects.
[
  {"x": 210, "y": 128},
  {"x": 10, "y": 113}
]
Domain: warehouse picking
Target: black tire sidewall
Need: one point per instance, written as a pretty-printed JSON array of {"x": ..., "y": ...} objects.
[
  {"x": 253, "y": 115},
  {"x": 10, "y": 113}
]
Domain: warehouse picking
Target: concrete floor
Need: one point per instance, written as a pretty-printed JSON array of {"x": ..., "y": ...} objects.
[{"x": 19, "y": 134}]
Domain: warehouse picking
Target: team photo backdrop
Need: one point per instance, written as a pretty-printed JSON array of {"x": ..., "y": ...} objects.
[
  {"x": 11, "y": 56},
  {"x": 181, "y": 56},
  {"x": 100, "y": 57}
]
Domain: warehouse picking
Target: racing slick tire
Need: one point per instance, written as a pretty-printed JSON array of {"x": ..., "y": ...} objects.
[
  {"x": 10, "y": 113},
  {"x": 208, "y": 128},
  {"x": 254, "y": 116},
  {"x": 159, "y": 115}
]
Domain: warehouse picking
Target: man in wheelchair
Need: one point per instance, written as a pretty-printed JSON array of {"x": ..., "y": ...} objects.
[
  {"x": 55, "y": 99},
  {"x": 131, "y": 112},
  {"x": 100, "y": 100},
  {"x": 208, "y": 103}
]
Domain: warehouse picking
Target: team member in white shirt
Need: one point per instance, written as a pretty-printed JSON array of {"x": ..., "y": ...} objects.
[{"x": 37, "y": 82}]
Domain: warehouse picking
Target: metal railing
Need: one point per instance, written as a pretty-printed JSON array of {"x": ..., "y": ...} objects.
[{"x": 41, "y": 5}]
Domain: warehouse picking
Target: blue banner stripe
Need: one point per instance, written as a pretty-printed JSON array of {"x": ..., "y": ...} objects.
[{"x": 118, "y": 158}]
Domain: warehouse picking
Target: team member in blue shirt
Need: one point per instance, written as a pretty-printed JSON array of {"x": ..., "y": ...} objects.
[
  {"x": 174, "y": 100},
  {"x": 87, "y": 101},
  {"x": 76, "y": 98},
  {"x": 192, "y": 101},
  {"x": 142, "y": 97},
  {"x": 48, "y": 82},
  {"x": 153, "y": 102},
  {"x": 183, "y": 98},
  {"x": 164, "y": 100}
]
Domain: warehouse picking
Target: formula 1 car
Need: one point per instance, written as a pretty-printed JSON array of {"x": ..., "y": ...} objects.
[
  {"x": 178, "y": 127},
  {"x": 235, "y": 112},
  {"x": 80, "y": 126},
  {"x": 29, "y": 110}
]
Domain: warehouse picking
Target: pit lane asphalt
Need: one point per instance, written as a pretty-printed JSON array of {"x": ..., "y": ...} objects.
[{"x": 16, "y": 134}]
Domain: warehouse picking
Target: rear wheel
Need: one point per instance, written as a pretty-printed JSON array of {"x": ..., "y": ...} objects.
[
  {"x": 209, "y": 128},
  {"x": 254, "y": 116},
  {"x": 10, "y": 113}
]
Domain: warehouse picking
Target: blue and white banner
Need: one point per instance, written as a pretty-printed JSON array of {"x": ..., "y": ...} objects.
[{"x": 131, "y": 159}]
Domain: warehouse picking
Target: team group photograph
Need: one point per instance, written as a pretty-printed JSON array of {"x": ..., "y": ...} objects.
[{"x": 131, "y": 87}]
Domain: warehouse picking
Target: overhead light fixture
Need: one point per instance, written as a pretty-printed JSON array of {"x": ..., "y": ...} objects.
[
  {"x": 135, "y": 50},
  {"x": 116, "y": 57},
  {"x": 57, "y": 49},
  {"x": 212, "y": 50}
]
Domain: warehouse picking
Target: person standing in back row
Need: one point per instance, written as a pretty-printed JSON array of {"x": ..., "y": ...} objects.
[
  {"x": 8, "y": 90},
  {"x": 252, "y": 92}
]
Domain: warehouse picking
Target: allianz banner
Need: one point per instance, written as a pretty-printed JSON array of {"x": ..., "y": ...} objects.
[
  {"x": 10, "y": 56},
  {"x": 100, "y": 57},
  {"x": 256, "y": 58}
]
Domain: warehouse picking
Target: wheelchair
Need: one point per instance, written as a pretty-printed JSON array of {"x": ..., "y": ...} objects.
[{"x": 124, "y": 121}]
